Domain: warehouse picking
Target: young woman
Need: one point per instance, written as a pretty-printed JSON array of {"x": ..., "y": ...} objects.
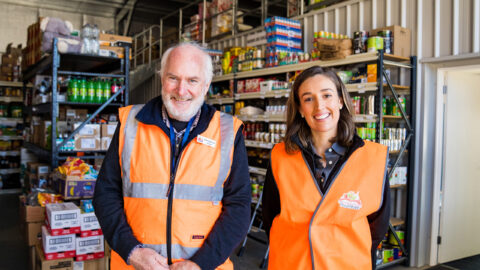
[{"x": 326, "y": 199}]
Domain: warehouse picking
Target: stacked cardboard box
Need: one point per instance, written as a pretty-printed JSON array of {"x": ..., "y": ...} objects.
[
  {"x": 113, "y": 45},
  {"x": 107, "y": 133},
  {"x": 10, "y": 68},
  {"x": 88, "y": 138},
  {"x": 37, "y": 175},
  {"x": 33, "y": 52}
]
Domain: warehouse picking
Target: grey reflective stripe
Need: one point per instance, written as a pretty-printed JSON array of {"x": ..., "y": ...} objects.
[
  {"x": 178, "y": 251},
  {"x": 227, "y": 138},
  {"x": 181, "y": 191},
  {"x": 130, "y": 132}
]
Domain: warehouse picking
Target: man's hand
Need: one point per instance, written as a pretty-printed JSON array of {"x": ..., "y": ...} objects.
[
  {"x": 147, "y": 259},
  {"x": 185, "y": 265}
]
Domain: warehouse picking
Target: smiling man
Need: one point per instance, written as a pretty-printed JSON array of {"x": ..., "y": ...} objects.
[{"x": 174, "y": 189}]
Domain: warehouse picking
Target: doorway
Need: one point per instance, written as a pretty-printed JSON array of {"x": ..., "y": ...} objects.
[{"x": 458, "y": 200}]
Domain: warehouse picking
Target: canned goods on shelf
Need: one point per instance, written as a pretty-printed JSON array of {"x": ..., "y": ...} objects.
[{"x": 374, "y": 44}]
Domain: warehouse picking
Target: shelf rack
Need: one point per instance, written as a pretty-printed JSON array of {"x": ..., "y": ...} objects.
[
  {"x": 57, "y": 64},
  {"x": 380, "y": 88}
]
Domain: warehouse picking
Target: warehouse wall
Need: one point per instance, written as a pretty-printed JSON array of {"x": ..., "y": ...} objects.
[
  {"x": 442, "y": 31},
  {"x": 15, "y": 19}
]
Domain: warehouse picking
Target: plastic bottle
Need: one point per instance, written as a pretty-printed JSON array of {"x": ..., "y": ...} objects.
[
  {"x": 106, "y": 90},
  {"x": 75, "y": 92},
  {"x": 69, "y": 88},
  {"x": 91, "y": 91},
  {"x": 114, "y": 89},
  {"x": 83, "y": 91},
  {"x": 98, "y": 91},
  {"x": 119, "y": 87}
]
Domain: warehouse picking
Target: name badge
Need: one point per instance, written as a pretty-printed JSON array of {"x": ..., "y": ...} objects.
[{"x": 206, "y": 141}]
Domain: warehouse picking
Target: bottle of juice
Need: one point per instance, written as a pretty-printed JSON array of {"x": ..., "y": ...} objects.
[
  {"x": 75, "y": 92},
  {"x": 69, "y": 88},
  {"x": 98, "y": 91},
  {"x": 114, "y": 89},
  {"x": 106, "y": 90},
  {"x": 83, "y": 91},
  {"x": 91, "y": 91}
]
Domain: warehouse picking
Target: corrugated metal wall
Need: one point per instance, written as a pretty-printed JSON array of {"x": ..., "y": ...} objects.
[{"x": 447, "y": 27}]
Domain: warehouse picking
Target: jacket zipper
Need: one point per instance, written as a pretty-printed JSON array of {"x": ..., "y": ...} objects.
[{"x": 169, "y": 194}]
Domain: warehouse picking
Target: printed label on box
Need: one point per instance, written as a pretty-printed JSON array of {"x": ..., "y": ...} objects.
[
  {"x": 87, "y": 143},
  {"x": 111, "y": 129}
]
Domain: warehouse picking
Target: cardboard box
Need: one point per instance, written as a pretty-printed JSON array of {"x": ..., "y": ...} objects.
[
  {"x": 89, "y": 245},
  {"x": 56, "y": 244},
  {"x": 88, "y": 222},
  {"x": 76, "y": 114},
  {"x": 8, "y": 59},
  {"x": 108, "y": 130},
  {"x": 32, "y": 256},
  {"x": 116, "y": 51},
  {"x": 33, "y": 233},
  {"x": 73, "y": 187},
  {"x": 7, "y": 70},
  {"x": 109, "y": 39},
  {"x": 62, "y": 215},
  {"x": 30, "y": 213},
  {"x": 105, "y": 142},
  {"x": 402, "y": 39},
  {"x": 43, "y": 264},
  {"x": 97, "y": 264},
  {"x": 87, "y": 143},
  {"x": 90, "y": 130},
  {"x": 37, "y": 167}
]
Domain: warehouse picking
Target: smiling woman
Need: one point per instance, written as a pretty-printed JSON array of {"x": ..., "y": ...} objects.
[
  {"x": 319, "y": 101},
  {"x": 326, "y": 189}
]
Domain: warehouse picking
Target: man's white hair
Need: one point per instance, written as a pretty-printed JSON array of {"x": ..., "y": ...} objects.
[{"x": 208, "y": 65}]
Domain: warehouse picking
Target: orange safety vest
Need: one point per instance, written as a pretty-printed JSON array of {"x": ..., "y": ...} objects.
[
  {"x": 203, "y": 167},
  {"x": 326, "y": 231}
]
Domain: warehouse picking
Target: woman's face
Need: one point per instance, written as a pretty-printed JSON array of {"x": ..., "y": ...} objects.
[{"x": 320, "y": 104}]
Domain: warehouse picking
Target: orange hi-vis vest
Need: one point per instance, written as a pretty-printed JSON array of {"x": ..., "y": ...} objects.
[
  {"x": 326, "y": 231},
  {"x": 203, "y": 167}
]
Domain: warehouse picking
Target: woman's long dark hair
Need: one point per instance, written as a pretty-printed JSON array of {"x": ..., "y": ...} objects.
[{"x": 297, "y": 125}]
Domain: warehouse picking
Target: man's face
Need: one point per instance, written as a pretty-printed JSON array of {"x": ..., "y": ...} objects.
[{"x": 183, "y": 83}]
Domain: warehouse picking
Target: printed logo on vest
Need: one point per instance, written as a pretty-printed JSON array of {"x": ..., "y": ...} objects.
[
  {"x": 198, "y": 237},
  {"x": 206, "y": 141},
  {"x": 350, "y": 200}
]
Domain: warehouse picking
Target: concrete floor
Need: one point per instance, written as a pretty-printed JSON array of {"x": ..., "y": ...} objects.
[{"x": 14, "y": 252}]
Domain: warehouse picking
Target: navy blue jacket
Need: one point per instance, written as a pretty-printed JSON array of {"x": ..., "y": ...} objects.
[{"x": 229, "y": 229}]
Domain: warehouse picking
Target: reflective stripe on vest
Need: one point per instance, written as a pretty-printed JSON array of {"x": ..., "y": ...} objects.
[{"x": 182, "y": 191}]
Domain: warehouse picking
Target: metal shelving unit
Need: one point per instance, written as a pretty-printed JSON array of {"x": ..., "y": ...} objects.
[
  {"x": 380, "y": 88},
  {"x": 14, "y": 183},
  {"x": 57, "y": 64}
]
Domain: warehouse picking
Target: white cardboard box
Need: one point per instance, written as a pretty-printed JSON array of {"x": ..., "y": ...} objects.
[
  {"x": 88, "y": 130},
  {"x": 60, "y": 243},
  {"x": 63, "y": 215},
  {"x": 88, "y": 221},
  {"x": 91, "y": 244}
]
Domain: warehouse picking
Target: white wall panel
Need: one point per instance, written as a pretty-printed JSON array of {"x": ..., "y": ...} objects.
[
  {"x": 446, "y": 27},
  {"x": 14, "y": 21}
]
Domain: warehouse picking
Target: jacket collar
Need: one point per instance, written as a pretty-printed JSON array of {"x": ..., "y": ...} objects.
[
  {"x": 151, "y": 114},
  {"x": 357, "y": 143}
]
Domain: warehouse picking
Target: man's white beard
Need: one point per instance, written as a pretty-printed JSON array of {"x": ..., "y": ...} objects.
[{"x": 183, "y": 116}]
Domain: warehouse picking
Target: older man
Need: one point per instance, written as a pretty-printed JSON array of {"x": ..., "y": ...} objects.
[{"x": 174, "y": 189}]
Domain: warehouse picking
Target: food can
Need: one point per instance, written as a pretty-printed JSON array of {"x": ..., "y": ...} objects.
[
  {"x": 371, "y": 105},
  {"x": 387, "y": 40},
  {"x": 374, "y": 44},
  {"x": 359, "y": 41},
  {"x": 393, "y": 241},
  {"x": 387, "y": 255}
]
